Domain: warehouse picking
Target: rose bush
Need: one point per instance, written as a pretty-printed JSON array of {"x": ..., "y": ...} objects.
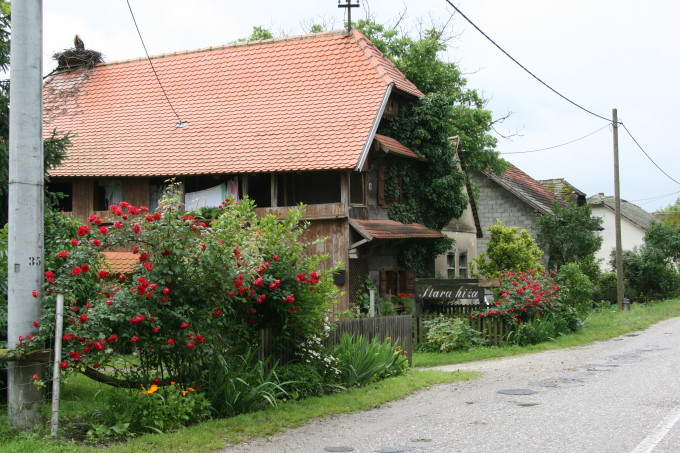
[{"x": 194, "y": 291}]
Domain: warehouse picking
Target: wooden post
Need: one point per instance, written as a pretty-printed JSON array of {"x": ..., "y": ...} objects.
[{"x": 56, "y": 372}]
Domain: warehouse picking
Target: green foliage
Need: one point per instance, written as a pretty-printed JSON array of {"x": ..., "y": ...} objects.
[
  {"x": 675, "y": 207},
  {"x": 259, "y": 33},
  {"x": 576, "y": 288},
  {"x": 508, "y": 250},
  {"x": 569, "y": 234},
  {"x": 361, "y": 361},
  {"x": 196, "y": 291},
  {"x": 156, "y": 409},
  {"x": 651, "y": 270},
  {"x": 241, "y": 384},
  {"x": 301, "y": 380},
  {"x": 451, "y": 334}
]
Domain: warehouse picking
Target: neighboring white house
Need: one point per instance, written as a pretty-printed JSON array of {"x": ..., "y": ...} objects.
[{"x": 634, "y": 222}]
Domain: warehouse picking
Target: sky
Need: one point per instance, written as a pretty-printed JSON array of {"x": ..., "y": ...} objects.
[{"x": 602, "y": 55}]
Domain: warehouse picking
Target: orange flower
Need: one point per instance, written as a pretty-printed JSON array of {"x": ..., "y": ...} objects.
[
  {"x": 152, "y": 389},
  {"x": 184, "y": 392}
]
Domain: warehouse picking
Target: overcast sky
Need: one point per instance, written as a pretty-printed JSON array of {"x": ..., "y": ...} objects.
[{"x": 601, "y": 54}]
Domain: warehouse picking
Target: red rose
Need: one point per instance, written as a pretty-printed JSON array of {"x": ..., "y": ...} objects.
[
  {"x": 103, "y": 274},
  {"x": 63, "y": 365},
  {"x": 62, "y": 254},
  {"x": 82, "y": 319},
  {"x": 258, "y": 282},
  {"x": 156, "y": 380},
  {"x": 76, "y": 271},
  {"x": 165, "y": 252},
  {"x": 75, "y": 241},
  {"x": 134, "y": 339},
  {"x": 184, "y": 325},
  {"x": 275, "y": 257},
  {"x": 148, "y": 266},
  {"x": 36, "y": 324},
  {"x": 261, "y": 298},
  {"x": 171, "y": 342},
  {"x": 83, "y": 230},
  {"x": 118, "y": 225},
  {"x": 113, "y": 338},
  {"x": 216, "y": 313},
  {"x": 136, "y": 228},
  {"x": 293, "y": 310},
  {"x": 85, "y": 267},
  {"x": 166, "y": 291},
  {"x": 103, "y": 230},
  {"x": 143, "y": 257},
  {"x": 96, "y": 242},
  {"x": 155, "y": 330},
  {"x": 35, "y": 293},
  {"x": 157, "y": 216},
  {"x": 109, "y": 302},
  {"x": 191, "y": 346}
]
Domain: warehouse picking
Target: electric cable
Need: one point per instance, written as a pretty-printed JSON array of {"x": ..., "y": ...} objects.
[
  {"x": 557, "y": 146},
  {"x": 521, "y": 66},
  {"x": 645, "y": 153},
  {"x": 180, "y": 122}
]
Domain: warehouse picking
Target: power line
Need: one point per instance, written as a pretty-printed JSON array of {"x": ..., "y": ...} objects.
[
  {"x": 557, "y": 146},
  {"x": 659, "y": 197},
  {"x": 180, "y": 123},
  {"x": 648, "y": 157},
  {"x": 521, "y": 66}
]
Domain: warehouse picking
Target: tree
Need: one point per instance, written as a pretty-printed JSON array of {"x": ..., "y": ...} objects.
[
  {"x": 651, "y": 270},
  {"x": 508, "y": 250},
  {"x": 569, "y": 234}
]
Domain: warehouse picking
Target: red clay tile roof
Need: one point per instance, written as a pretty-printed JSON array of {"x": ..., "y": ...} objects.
[
  {"x": 393, "y": 146},
  {"x": 290, "y": 104},
  {"x": 391, "y": 229},
  {"x": 121, "y": 262},
  {"x": 527, "y": 189}
]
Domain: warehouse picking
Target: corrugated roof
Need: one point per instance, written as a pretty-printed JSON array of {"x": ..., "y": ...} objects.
[
  {"x": 630, "y": 211},
  {"x": 393, "y": 146},
  {"x": 391, "y": 229},
  {"x": 288, "y": 104},
  {"x": 526, "y": 188}
]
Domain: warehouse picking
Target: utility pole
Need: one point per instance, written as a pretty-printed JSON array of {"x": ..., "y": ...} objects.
[
  {"x": 617, "y": 213},
  {"x": 26, "y": 204}
]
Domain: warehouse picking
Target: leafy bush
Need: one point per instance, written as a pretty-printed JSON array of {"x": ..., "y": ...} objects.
[
  {"x": 155, "y": 409},
  {"x": 241, "y": 384},
  {"x": 508, "y": 250},
  {"x": 360, "y": 361},
  {"x": 576, "y": 288},
  {"x": 196, "y": 291},
  {"x": 301, "y": 381},
  {"x": 451, "y": 334}
]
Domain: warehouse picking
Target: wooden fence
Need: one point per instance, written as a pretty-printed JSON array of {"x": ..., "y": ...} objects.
[
  {"x": 493, "y": 330},
  {"x": 398, "y": 328}
]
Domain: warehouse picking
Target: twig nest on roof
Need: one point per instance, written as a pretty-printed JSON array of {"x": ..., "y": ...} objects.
[{"x": 77, "y": 58}]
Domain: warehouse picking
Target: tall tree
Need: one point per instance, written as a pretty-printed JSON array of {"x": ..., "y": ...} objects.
[{"x": 570, "y": 234}]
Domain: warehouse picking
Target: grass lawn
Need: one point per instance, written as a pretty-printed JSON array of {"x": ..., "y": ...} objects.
[{"x": 80, "y": 394}]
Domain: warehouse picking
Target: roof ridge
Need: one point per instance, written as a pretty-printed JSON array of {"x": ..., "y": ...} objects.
[
  {"x": 260, "y": 42},
  {"x": 371, "y": 53}
]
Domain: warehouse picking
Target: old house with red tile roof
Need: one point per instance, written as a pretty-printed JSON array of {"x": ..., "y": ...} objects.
[
  {"x": 282, "y": 121},
  {"x": 514, "y": 198}
]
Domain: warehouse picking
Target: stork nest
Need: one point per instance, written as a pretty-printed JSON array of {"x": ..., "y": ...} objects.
[{"x": 75, "y": 58}]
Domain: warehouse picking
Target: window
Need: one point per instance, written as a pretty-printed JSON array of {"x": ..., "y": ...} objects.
[
  {"x": 396, "y": 281},
  {"x": 457, "y": 264},
  {"x": 106, "y": 193}
]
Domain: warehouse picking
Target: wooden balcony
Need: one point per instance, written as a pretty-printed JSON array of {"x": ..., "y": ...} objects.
[{"x": 312, "y": 211}]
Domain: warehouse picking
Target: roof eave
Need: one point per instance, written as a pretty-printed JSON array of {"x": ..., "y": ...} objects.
[{"x": 374, "y": 128}]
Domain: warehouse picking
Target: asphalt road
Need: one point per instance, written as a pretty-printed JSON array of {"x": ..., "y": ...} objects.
[{"x": 622, "y": 395}]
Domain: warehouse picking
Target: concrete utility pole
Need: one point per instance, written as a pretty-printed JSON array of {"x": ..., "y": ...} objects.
[
  {"x": 26, "y": 204},
  {"x": 617, "y": 213}
]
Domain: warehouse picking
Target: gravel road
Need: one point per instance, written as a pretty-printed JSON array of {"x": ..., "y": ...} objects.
[{"x": 620, "y": 395}]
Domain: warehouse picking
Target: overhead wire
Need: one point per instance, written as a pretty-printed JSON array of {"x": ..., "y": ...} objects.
[
  {"x": 554, "y": 90},
  {"x": 180, "y": 122},
  {"x": 522, "y": 66},
  {"x": 560, "y": 145}
]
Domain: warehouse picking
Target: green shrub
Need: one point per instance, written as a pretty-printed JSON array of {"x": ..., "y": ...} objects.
[
  {"x": 576, "y": 289},
  {"x": 241, "y": 384},
  {"x": 451, "y": 334},
  {"x": 156, "y": 409},
  {"x": 360, "y": 361},
  {"x": 301, "y": 380}
]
